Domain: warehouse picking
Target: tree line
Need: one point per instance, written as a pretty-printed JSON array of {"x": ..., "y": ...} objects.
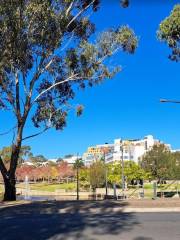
[{"x": 158, "y": 164}]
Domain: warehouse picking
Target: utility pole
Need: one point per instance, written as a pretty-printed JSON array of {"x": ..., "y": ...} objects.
[
  {"x": 106, "y": 182},
  {"x": 105, "y": 149},
  {"x": 77, "y": 176},
  {"x": 122, "y": 171}
]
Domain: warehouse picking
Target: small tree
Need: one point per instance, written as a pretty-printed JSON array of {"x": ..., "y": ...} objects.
[
  {"x": 64, "y": 170},
  {"x": 97, "y": 174},
  {"x": 158, "y": 162}
]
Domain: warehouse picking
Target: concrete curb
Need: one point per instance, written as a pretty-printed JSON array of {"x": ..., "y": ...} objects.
[
  {"x": 97, "y": 210},
  {"x": 151, "y": 210}
]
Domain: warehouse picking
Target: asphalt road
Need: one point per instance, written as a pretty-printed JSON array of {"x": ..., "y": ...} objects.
[{"x": 85, "y": 221}]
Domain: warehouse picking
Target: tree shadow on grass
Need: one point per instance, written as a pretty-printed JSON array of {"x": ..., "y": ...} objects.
[{"x": 65, "y": 220}]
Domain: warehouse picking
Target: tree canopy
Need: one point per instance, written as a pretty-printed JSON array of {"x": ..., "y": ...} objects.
[
  {"x": 97, "y": 173},
  {"x": 158, "y": 162},
  {"x": 169, "y": 32}
]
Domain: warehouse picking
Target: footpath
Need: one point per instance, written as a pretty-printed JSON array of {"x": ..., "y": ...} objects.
[
  {"x": 139, "y": 205},
  {"x": 148, "y": 205}
]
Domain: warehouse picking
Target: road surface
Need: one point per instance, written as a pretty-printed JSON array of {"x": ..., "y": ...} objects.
[{"x": 85, "y": 221}]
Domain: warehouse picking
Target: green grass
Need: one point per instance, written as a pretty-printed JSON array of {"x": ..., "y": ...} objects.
[
  {"x": 148, "y": 186},
  {"x": 50, "y": 187}
]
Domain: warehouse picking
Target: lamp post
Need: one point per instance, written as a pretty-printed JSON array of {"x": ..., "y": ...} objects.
[
  {"x": 106, "y": 173},
  {"x": 122, "y": 170},
  {"x": 169, "y": 101},
  {"x": 77, "y": 175}
]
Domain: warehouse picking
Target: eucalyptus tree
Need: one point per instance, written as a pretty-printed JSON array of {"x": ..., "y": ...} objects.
[
  {"x": 46, "y": 56},
  {"x": 169, "y": 32}
]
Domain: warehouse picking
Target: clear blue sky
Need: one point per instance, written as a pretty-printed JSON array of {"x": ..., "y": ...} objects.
[{"x": 128, "y": 105}]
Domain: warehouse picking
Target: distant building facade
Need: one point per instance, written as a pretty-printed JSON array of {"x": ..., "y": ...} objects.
[
  {"x": 127, "y": 149},
  {"x": 71, "y": 160}
]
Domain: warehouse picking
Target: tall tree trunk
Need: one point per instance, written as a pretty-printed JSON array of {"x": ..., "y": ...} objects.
[
  {"x": 9, "y": 176},
  {"x": 10, "y": 189}
]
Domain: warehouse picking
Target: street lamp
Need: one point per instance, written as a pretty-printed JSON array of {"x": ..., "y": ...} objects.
[
  {"x": 122, "y": 171},
  {"x": 77, "y": 165},
  {"x": 77, "y": 176},
  {"x": 169, "y": 101},
  {"x": 105, "y": 150}
]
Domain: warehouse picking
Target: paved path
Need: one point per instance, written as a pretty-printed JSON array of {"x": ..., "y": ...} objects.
[{"x": 85, "y": 221}]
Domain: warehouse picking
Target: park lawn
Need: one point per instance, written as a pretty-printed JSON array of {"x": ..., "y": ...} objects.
[
  {"x": 51, "y": 187},
  {"x": 148, "y": 185}
]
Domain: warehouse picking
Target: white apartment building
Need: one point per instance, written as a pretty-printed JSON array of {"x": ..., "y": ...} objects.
[
  {"x": 71, "y": 160},
  {"x": 132, "y": 150}
]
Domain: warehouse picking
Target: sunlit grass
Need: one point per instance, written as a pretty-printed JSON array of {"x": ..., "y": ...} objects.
[{"x": 51, "y": 187}]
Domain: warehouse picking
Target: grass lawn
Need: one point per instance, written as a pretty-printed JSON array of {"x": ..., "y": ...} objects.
[{"x": 50, "y": 187}]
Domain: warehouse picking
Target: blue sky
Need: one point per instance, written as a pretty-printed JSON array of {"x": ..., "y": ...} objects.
[{"x": 128, "y": 105}]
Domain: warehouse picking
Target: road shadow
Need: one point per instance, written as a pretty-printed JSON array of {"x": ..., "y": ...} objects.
[
  {"x": 65, "y": 220},
  {"x": 143, "y": 238}
]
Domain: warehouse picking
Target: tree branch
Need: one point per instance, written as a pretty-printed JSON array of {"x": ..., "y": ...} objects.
[
  {"x": 69, "y": 8},
  {"x": 79, "y": 13},
  {"x": 8, "y": 131},
  {"x": 72, "y": 78},
  {"x": 18, "y": 107},
  {"x": 36, "y": 134},
  {"x": 8, "y": 93}
]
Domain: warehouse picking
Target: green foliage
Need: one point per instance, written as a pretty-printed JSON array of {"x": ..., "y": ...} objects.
[
  {"x": 169, "y": 32},
  {"x": 84, "y": 174},
  {"x": 35, "y": 36},
  {"x": 84, "y": 177},
  {"x": 38, "y": 159},
  {"x": 158, "y": 162},
  {"x": 25, "y": 153},
  {"x": 78, "y": 163},
  {"x": 132, "y": 171},
  {"x": 97, "y": 174},
  {"x": 175, "y": 166}
]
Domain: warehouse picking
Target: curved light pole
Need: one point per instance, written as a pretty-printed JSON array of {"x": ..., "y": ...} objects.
[
  {"x": 105, "y": 150},
  {"x": 122, "y": 170},
  {"x": 169, "y": 101}
]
